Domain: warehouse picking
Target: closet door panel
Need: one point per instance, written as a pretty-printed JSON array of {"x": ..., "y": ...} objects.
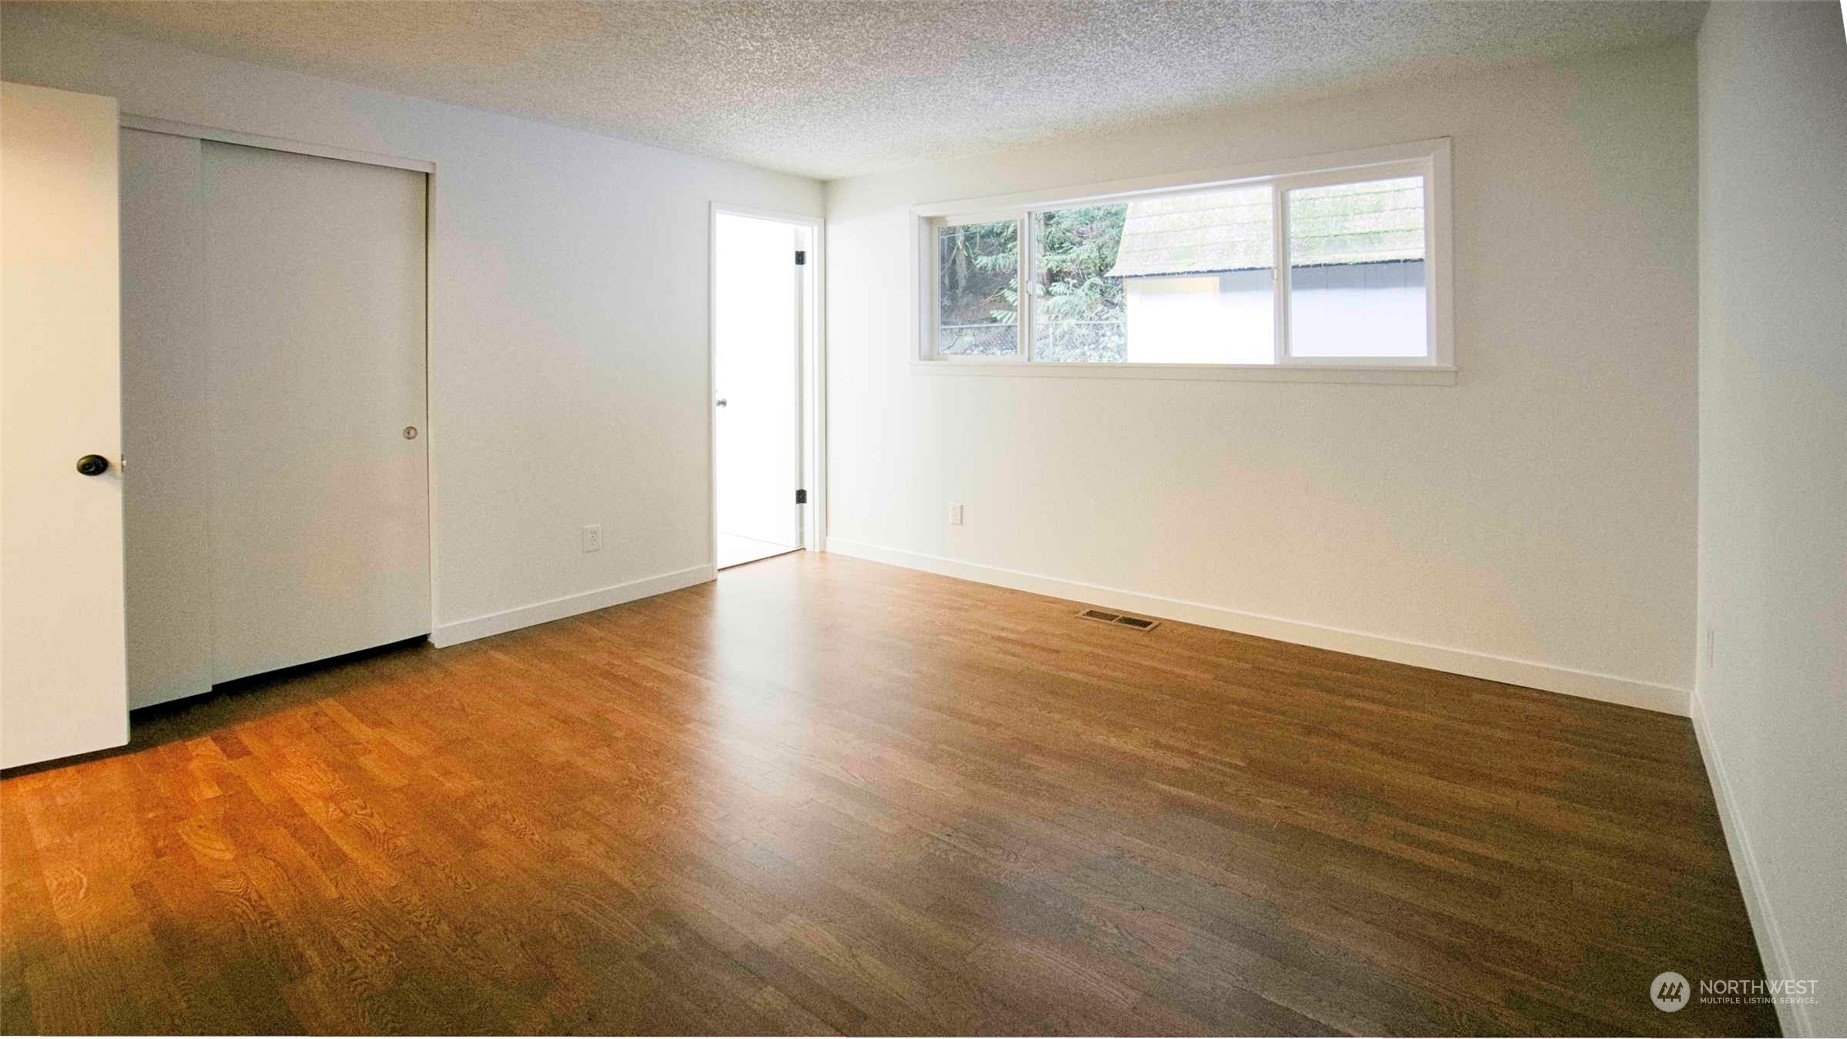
[
  {"x": 166, "y": 490},
  {"x": 320, "y": 512}
]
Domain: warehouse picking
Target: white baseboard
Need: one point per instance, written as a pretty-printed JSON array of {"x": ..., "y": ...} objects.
[
  {"x": 1792, "y": 1017},
  {"x": 1609, "y": 688},
  {"x": 569, "y": 606}
]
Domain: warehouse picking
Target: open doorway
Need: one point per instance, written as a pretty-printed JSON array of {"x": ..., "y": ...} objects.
[{"x": 763, "y": 309}]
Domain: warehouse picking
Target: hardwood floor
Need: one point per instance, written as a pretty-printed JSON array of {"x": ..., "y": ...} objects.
[{"x": 828, "y": 795}]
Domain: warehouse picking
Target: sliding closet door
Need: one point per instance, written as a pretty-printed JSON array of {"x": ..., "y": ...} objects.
[
  {"x": 166, "y": 493},
  {"x": 315, "y": 374}
]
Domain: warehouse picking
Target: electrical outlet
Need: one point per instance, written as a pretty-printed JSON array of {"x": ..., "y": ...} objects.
[
  {"x": 955, "y": 515},
  {"x": 1712, "y": 646},
  {"x": 593, "y": 538}
]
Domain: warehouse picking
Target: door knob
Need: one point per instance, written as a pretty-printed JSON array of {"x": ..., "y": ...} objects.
[
  {"x": 721, "y": 402},
  {"x": 92, "y": 465}
]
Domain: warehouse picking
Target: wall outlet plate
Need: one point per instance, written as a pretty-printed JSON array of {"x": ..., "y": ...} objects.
[
  {"x": 593, "y": 538},
  {"x": 955, "y": 515}
]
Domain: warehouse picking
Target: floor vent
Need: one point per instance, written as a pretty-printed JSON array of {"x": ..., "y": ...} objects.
[{"x": 1138, "y": 623}]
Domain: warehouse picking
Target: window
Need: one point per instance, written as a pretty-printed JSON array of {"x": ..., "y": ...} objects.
[
  {"x": 978, "y": 289},
  {"x": 1356, "y": 270},
  {"x": 1188, "y": 275}
]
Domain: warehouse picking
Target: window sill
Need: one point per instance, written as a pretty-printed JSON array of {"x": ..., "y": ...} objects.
[{"x": 1400, "y": 374}]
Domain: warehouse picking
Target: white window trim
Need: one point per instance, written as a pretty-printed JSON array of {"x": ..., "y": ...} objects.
[{"x": 1429, "y": 159}]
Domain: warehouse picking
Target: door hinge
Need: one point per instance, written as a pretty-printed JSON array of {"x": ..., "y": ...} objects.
[
  {"x": 801, "y": 257},
  {"x": 801, "y": 497}
]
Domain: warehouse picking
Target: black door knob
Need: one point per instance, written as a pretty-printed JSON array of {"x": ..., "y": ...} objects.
[{"x": 92, "y": 465}]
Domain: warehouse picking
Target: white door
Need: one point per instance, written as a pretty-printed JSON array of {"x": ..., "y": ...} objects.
[
  {"x": 315, "y": 377},
  {"x": 758, "y": 289},
  {"x": 62, "y": 686}
]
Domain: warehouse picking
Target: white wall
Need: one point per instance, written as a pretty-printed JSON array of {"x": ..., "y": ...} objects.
[
  {"x": 1533, "y": 522},
  {"x": 568, "y": 303},
  {"x": 1772, "y": 700},
  {"x": 1225, "y": 318}
]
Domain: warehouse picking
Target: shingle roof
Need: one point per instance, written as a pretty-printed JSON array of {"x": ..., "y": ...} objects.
[
  {"x": 1229, "y": 230},
  {"x": 1188, "y": 234}
]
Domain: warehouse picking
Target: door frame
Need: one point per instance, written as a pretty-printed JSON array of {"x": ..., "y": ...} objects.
[
  {"x": 812, "y": 405},
  {"x": 174, "y": 128}
]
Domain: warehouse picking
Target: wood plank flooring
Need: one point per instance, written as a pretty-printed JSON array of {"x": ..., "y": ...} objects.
[{"x": 824, "y": 795}]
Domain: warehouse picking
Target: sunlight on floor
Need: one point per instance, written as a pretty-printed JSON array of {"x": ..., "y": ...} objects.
[{"x": 734, "y": 549}]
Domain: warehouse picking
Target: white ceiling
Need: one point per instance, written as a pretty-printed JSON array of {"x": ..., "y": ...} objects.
[{"x": 831, "y": 89}]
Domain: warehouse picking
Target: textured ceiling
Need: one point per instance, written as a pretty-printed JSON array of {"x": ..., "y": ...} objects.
[{"x": 831, "y": 89}]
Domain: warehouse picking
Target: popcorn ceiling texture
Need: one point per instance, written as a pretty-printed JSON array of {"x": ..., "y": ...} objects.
[{"x": 832, "y": 89}]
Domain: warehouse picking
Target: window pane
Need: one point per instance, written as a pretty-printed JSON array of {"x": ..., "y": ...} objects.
[
  {"x": 977, "y": 277},
  {"x": 1356, "y": 270},
  {"x": 1077, "y": 306},
  {"x": 1181, "y": 279}
]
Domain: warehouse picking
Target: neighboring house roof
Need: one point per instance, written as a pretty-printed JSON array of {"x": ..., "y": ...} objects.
[
  {"x": 1194, "y": 234},
  {"x": 1229, "y": 230}
]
